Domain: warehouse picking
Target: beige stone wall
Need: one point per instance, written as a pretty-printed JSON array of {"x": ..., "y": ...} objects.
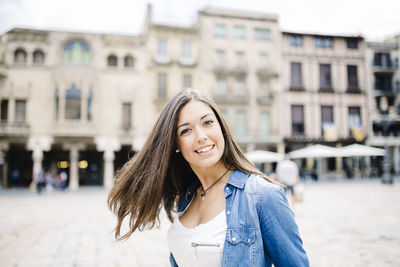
[
  {"x": 310, "y": 57},
  {"x": 251, "y": 49}
]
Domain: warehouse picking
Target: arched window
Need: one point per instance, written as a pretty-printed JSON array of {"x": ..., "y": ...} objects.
[
  {"x": 38, "y": 57},
  {"x": 128, "y": 61},
  {"x": 76, "y": 52},
  {"x": 73, "y": 103},
  {"x": 112, "y": 61},
  {"x": 20, "y": 56}
]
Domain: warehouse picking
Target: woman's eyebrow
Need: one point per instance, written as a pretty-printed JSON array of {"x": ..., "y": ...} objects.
[
  {"x": 205, "y": 116},
  {"x": 186, "y": 123},
  {"x": 183, "y": 124}
]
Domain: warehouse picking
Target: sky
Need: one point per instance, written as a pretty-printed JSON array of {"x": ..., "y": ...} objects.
[{"x": 375, "y": 20}]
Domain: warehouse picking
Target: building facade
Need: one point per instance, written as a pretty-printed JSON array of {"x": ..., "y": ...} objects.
[
  {"x": 239, "y": 70},
  {"x": 384, "y": 82},
  {"x": 85, "y": 102},
  {"x": 323, "y": 97},
  {"x": 68, "y": 101}
]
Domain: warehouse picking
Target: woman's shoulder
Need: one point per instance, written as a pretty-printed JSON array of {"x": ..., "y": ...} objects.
[
  {"x": 260, "y": 185},
  {"x": 271, "y": 198}
]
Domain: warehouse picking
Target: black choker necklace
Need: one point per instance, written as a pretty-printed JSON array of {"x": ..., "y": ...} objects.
[{"x": 203, "y": 192}]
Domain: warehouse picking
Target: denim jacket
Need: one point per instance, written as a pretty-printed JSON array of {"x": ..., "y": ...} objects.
[{"x": 261, "y": 227}]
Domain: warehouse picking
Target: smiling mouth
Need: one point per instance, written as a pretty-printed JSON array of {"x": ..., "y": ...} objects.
[{"x": 205, "y": 149}]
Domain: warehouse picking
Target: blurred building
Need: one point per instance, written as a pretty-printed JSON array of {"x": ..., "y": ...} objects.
[
  {"x": 383, "y": 66},
  {"x": 82, "y": 101},
  {"x": 85, "y": 102},
  {"x": 324, "y": 91},
  {"x": 75, "y": 101},
  {"x": 239, "y": 69}
]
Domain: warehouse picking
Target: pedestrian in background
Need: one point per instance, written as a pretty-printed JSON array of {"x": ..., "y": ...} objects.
[
  {"x": 62, "y": 180},
  {"x": 15, "y": 178},
  {"x": 40, "y": 179},
  {"x": 49, "y": 181},
  {"x": 228, "y": 213},
  {"x": 288, "y": 174}
]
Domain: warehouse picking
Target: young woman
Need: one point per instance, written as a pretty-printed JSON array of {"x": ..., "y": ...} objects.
[{"x": 228, "y": 213}]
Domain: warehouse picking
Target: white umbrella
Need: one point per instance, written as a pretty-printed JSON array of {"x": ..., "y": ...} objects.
[
  {"x": 315, "y": 151},
  {"x": 357, "y": 150},
  {"x": 262, "y": 156}
]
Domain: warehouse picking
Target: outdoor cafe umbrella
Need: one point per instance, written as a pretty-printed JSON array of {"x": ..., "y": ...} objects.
[
  {"x": 262, "y": 156},
  {"x": 315, "y": 151},
  {"x": 357, "y": 150}
]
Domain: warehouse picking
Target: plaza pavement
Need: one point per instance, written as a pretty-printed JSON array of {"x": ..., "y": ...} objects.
[{"x": 343, "y": 223}]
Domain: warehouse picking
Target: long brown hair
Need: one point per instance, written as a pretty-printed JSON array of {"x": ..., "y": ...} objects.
[{"x": 157, "y": 176}]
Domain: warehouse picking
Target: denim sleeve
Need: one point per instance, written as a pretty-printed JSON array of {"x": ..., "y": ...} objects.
[
  {"x": 280, "y": 234},
  {"x": 172, "y": 260}
]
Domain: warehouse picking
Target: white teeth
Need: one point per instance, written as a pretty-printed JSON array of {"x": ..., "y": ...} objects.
[{"x": 205, "y": 149}]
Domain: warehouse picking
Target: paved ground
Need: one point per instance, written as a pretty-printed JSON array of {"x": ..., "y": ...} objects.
[{"x": 342, "y": 224}]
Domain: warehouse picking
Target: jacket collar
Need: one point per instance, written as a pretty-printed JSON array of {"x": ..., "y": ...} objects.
[{"x": 238, "y": 179}]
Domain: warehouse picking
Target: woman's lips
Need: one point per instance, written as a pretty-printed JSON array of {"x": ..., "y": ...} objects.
[{"x": 204, "y": 149}]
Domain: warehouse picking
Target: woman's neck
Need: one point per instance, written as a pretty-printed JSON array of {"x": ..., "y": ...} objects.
[{"x": 210, "y": 175}]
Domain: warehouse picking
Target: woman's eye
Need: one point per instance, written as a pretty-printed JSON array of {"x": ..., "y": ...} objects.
[
  {"x": 208, "y": 122},
  {"x": 184, "y": 131}
]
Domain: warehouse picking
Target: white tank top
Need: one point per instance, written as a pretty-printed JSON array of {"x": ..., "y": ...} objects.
[{"x": 199, "y": 246}]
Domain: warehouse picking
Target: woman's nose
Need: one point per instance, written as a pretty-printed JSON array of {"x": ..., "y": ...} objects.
[{"x": 201, "y": 135}]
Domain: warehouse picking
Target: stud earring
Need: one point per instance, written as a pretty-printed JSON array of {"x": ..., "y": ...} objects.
[{"x": 177, "y": 151}]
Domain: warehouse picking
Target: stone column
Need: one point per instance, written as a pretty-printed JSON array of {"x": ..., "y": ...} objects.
[
  {"x": 339, "y": 161},
  {"x": 396, "y": 159},
  {"x": 281, "y": 148},
  {"x": 3, "y": 165},
  {"x": 38, "y": 144},
  {"x": 310, "y": 163},
  {"x": 367, "y": 162},
  {"x": 73, "y": 164},
  {"x": 108, "y": 144},
  {"x": 108, "y": 168},
  {"x": 37, "y": 157},
  {"x": 73, "y": 168}
]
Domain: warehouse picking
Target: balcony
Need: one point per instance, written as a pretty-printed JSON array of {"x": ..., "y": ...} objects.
[
  {"x": 187, "y": 62},
  {"x": 326, "y": 89},
  {"x": 265, "y": 98},
  {"x": 353, "y": 90},
  {"x": 239, "y": 70},
  {"x": 385, "y": 68},
  {"x": 386, "y": 129},
  {"x": 263, "y": 71},
  {"x": 74, "y": 129},
  {"x": 297, "y": 89},
  {"x": 379, "y": 116},
  {"x": 231, "y": 100},
  {"x": 14, "y": 129},
  {"x": 162, "y": 60},
  {"x": 385, "y": 91},
  {"x": 220, "y": 69}
]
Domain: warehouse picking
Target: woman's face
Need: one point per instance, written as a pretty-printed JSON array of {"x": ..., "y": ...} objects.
[{"x": 200, "y": 138}]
